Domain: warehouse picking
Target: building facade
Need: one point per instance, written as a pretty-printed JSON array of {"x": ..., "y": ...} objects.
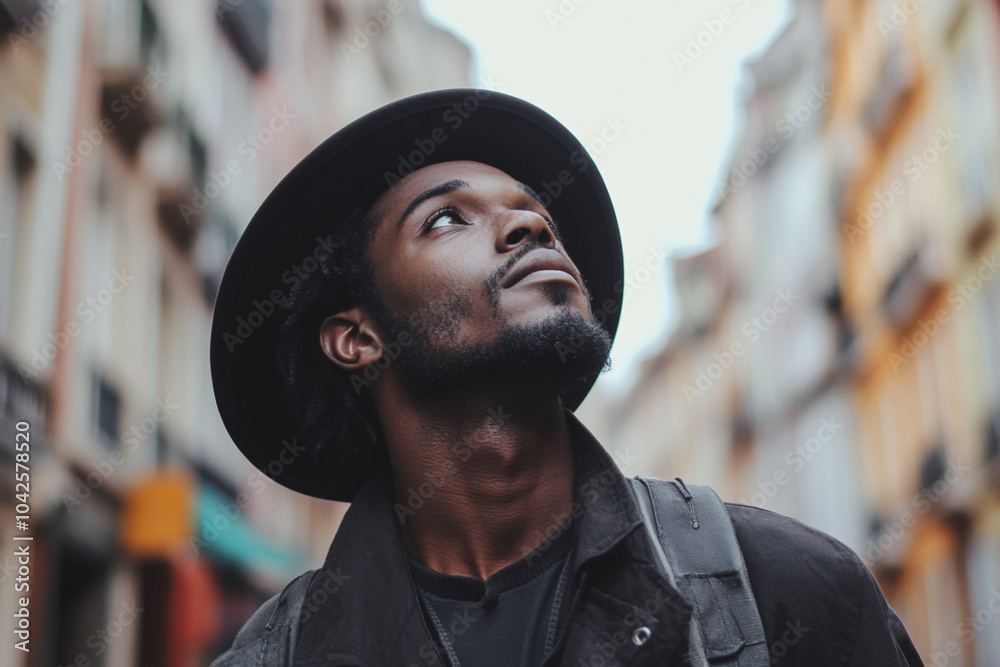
[
  {"x": 836, "y": 357},
  {"x": 137, "y": 138}
]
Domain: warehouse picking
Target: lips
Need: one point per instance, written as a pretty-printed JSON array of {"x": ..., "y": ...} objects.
[{"x": 539, "y": 260}]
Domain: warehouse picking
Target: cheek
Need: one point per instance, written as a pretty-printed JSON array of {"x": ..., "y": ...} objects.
[
  {"x": 446, "y": 274},
  {"x": 428, "y": 287}
]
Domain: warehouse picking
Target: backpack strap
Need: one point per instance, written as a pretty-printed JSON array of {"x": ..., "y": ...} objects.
[{"x": 695, "y": 543}]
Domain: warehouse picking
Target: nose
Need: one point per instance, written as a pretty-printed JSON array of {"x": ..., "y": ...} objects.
[{"x": 524, "y": 227}]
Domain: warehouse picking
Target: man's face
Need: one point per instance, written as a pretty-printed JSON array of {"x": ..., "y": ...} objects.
[{"x": 470, "y": 268}]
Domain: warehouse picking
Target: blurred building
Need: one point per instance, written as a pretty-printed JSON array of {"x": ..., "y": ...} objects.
[
  {"x": 137, "y": 138},
  {"x": 836, "y": 358}
]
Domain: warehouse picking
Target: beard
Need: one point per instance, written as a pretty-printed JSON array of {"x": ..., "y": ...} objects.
[{"x": 543, "y": 357}]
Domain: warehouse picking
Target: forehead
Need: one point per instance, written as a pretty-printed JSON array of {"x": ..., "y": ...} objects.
[{"x": 475, "y": 173}]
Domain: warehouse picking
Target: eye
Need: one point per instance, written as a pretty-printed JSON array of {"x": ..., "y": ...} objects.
[{"x": 443, "y": 218}]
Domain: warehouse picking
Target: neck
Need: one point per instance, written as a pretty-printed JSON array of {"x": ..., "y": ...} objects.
[{"x": 482, "y": 479}]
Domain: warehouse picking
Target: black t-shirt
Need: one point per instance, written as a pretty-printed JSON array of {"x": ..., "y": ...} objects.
[{"x": 507, "y": 619}]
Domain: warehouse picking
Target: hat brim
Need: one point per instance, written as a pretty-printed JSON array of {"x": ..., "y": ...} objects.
[{"x": 352, "y": 168}]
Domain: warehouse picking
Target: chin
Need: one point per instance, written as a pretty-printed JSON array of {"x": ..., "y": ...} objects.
[
  {"x": 567, "y": 345},
  {"x": 545, "y": 354}
]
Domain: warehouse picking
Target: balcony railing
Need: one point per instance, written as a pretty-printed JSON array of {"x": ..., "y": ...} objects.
[
  {"x": 912, "y": 286},
  {"x": 22, "y": 398},
  {"x": 134, "y": 77}
]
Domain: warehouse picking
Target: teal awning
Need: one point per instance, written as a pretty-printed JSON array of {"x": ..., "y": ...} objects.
[{"x": 225, "y": 534}]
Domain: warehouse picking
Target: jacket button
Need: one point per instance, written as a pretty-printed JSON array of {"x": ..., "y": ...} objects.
[{"x": 640, "y": 636}]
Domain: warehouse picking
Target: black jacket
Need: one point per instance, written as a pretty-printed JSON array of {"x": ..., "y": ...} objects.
[{"x": 818, "y": 602}]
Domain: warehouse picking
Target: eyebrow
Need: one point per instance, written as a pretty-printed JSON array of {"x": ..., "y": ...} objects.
[
  {"x": 436, "y": 191},
  {"x": 534, "y": 195}
]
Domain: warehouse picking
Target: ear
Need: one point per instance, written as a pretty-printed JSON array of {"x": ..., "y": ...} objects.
[{"x": 350, "y": 339}]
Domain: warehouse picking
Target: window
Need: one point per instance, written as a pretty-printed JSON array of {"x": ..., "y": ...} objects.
[
  {"x": 944, "y": 607},
  {"x": 107, "y": 408},
  {"x": 14, "y": 205},
  {"x": 976, "y": 147},
  {"x": 984, "y": 592},
  {"x": 989, "y": 314}
]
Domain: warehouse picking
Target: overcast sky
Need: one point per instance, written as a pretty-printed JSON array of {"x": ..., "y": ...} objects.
[{"x": 663, "y": 78}]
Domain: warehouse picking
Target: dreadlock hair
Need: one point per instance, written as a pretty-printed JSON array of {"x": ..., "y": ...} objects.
[{"x": 334, "y": 417}]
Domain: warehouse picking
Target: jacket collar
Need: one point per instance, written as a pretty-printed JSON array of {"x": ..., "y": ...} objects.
[
  {"x": 361, "y": 607},
  {"x": 604, "y": 508}
]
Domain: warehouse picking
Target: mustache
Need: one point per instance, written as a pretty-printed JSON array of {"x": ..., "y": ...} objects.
[
  {"x": 498, "y": 275},
  {"x": 492, "y": 286}
]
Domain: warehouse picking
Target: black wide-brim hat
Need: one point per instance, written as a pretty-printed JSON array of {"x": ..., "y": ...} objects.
[{"x": 353, "y": 168}]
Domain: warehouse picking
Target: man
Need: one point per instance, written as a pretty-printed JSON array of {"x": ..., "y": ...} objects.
[{"x": 407, "y": 324}]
